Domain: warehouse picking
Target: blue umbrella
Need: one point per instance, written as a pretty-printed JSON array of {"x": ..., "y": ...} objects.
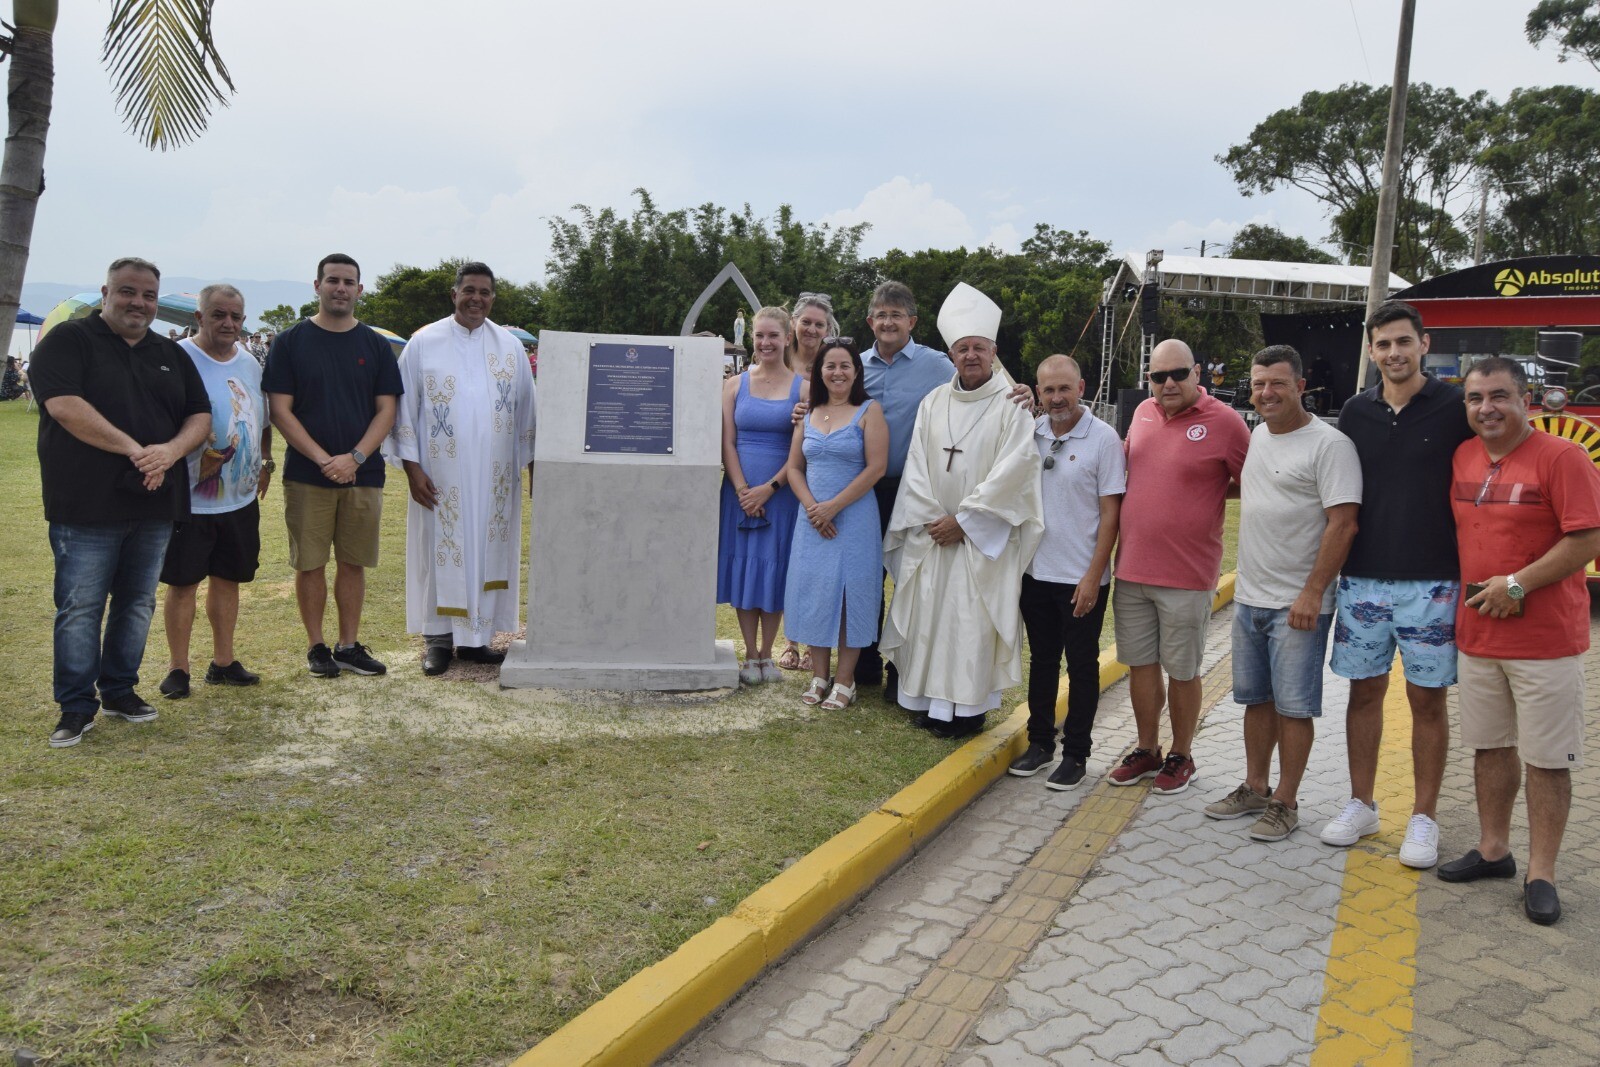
[
  {"x": 28, "y": 318},
  {"x": 522, "y": 335}
]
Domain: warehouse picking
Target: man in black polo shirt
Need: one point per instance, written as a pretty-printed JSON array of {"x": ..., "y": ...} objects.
[
  {"x": 333, "y": 385},
  {"x": 121, "y": 405},
  {"x": 1401, "y": 580}
]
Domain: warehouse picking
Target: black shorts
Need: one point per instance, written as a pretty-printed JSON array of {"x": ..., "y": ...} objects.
[{"x": 226, "y": 546}]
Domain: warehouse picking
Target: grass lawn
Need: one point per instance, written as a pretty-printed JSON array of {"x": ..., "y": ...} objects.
[{"x": 388, "y": 870}]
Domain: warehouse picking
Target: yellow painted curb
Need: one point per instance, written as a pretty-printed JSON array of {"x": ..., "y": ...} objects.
[{"x": 652, "y": 1012}]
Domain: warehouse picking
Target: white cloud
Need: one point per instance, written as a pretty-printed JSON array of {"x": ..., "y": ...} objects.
[
  {"x": 907, "y": 216},
  {"x": 1004, "y": 237}
]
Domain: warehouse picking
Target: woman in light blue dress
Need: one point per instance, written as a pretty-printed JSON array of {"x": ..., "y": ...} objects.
[
  {"x": 835, "y": 581},
  {"x": 758, "y": 508}
]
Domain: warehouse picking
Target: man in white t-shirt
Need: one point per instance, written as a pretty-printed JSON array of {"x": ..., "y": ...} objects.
[
  {"x": 220, "y": 542},
  {"x": 1299, "y": 492},
  {"x": 1064, "y": 588}
]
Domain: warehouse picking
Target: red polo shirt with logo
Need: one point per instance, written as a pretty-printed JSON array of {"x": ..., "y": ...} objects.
[{"x": 1179, "y": 469}]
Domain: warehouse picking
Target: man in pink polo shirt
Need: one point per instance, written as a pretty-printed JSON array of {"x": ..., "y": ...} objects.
[{"x": 1185, "y": 451}]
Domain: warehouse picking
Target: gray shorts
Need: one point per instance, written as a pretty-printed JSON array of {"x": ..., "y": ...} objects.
[{"x": 1155, "y": 624}]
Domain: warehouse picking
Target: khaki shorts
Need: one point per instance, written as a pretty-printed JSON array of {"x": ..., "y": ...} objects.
[
  {"x": 1157, "y": 624},
  {"x": 1532, "y": 705},
  {"x": 345, "y": 520}
]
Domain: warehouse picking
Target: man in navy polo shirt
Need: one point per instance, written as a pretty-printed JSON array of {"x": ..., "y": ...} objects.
[
  {"x": 121, "y": 405},
  {"x": 333, "y": 386},
  {"x": 1401, "y": 580}
]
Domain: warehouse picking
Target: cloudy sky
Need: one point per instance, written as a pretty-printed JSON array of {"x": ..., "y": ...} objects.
[{"x": 404, "y": 132}]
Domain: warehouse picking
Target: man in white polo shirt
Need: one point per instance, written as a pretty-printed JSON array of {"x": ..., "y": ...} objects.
[{"x": 1064, "y": 588}]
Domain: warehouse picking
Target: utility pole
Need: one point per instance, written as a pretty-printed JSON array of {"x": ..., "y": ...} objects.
[
  {"x": 1483, "y": 209},
  {"x": 1389, "y": 194}
]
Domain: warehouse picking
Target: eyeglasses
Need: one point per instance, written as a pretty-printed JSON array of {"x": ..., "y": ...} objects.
[
  {"x": 820, "y": 298},
  {"x": 888, "y": 316},
  {"x": 829, "y": 342},
  {"x": 1180, "y": 375},
  {"x": 1488, "y": 480},
  {"x": 1055, "y": 446}
]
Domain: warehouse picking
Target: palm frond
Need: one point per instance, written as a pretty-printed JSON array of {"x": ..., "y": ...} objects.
[{"x": 164, "y": 68}]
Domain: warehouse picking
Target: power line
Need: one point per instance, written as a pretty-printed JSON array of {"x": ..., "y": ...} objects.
[{"x": 1359, "y": 40}]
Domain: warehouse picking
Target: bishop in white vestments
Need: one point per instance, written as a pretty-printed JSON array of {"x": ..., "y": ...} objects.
[
  {"x": 463, "y": 434},
  {"x": 967, "y": 521}
]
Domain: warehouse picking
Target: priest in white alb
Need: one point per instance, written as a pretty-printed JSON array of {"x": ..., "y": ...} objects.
[
  {"x": 966, "y": 523},
  {"x": 463, "y": 434}
]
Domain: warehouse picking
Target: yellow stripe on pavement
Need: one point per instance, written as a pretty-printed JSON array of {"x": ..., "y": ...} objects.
[{"x": 1367, "y": 1004}]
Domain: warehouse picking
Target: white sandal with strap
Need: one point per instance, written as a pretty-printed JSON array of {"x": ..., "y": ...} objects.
[
  {"x": 814, "y": 692},
  {"x": 841, "y": 697}
]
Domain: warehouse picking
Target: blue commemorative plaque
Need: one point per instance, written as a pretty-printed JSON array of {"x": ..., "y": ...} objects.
[{"x": 630, "y": 399}]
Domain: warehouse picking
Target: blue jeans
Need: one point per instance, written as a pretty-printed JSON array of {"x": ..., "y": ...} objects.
[
  {"x": 94, "y": 561},
  {"x": 1275, "y": 663}
]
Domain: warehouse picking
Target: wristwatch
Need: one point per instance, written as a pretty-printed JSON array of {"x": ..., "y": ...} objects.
[
  {"x": 359, "y": 456},
  {"x": 270, "y": 465},
  {"x": 1514, "y": 588},
  {"x": 775, "y": 485}
]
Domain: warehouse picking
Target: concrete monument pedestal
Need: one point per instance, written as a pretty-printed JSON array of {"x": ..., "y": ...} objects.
[{"x": 622, "y": 570}]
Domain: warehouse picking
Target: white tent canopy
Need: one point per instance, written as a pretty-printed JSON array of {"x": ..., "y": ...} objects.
[{"x": 1254, "y": 279}]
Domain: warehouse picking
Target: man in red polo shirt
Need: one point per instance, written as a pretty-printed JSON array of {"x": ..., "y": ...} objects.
[
  {"x": 1527, "y": 511},
  {"x": 1185, "y": 451}
]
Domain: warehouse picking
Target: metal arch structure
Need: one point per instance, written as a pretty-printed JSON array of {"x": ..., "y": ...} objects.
[{"x": 728, "y": 273}]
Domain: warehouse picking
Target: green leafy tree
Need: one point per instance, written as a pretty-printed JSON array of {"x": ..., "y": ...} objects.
[
  {"x": 408, "y": 298},
  {"x": 1545, "y": 157},
  {"x": 1258, "y": 241},
  {"x": 1331, "y": 146},
  {"x": 641, "y": 273},
  {"x": 279, "y": 318},
  {"x": 309, "y": 308},
  {"x": 1575, "y": 25},
  {"x": 165, "y": 70}
]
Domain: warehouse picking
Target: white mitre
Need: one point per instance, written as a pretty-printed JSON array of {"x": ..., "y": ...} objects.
[{"x": 968, "y": 313}]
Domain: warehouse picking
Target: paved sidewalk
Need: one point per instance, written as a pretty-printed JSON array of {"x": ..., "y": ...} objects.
[{"x": 1116, "y": 926}]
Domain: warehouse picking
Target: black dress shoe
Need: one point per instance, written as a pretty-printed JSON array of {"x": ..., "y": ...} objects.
[
  {"x": 1473, "y": 866},
  {"x": 1540, "y": 902},
  {"x": 436, "y": 660},
  {"x": 965, "y": 726},
  {"x": 479, "y": 654}
]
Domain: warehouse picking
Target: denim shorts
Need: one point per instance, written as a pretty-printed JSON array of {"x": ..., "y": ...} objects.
[
  {"x": 1273, "y": 662},
  {"x": 1378, "y": 614}
]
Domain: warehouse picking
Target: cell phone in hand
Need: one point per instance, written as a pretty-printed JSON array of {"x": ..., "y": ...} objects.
[{"x": 1473, "y": 589}]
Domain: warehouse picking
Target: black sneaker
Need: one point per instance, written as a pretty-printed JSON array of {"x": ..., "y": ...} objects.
[
  {"x": 71, "y": 728},
  {"x": 175, "y": 686},
  {"x": 1030, "y": 762},
  {"x": 233, "y": 674},
  {"x": 322, "y": 662},
  {"x": 358, "y": 658},
  {"x": 129, "y": 706},
  {"x": 1067, "y": 776}
]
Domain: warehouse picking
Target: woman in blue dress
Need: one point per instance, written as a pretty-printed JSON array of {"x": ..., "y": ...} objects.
[
  {"x": 835, "y": 588},
  {"x": 758, "y": 508}
]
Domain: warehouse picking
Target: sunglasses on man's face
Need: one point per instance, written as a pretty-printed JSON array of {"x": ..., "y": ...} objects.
[{"x": 1180, "y": 375}]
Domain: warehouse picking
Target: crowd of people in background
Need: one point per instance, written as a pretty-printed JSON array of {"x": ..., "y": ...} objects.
[{"x": 1432, "y": 521}]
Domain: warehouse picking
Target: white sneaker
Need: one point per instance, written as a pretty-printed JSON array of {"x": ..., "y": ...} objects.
[
  {"x": 1356, "y": 821},
  {"x": 1421, "y": 848}
]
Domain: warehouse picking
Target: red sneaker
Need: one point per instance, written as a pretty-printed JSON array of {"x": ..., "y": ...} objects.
[
  {"x": 1175, "y": 774},
  {"x": 1136, "y": 766}
]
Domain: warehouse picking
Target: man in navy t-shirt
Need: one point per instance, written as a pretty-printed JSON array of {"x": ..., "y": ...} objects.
[{"x": 333, "y": 386}]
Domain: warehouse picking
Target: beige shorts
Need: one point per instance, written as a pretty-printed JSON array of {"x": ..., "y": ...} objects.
[
  {"x": 345, "y": 520},
  {"x": 1156, "y": 624},
  {"x": 1532, "y": 705}
]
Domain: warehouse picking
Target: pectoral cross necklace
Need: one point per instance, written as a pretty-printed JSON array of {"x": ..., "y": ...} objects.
[{"x": 949, "y": 432}]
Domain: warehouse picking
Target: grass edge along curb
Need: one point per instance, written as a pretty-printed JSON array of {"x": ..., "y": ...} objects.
[{"x": 654, "y": 1011}]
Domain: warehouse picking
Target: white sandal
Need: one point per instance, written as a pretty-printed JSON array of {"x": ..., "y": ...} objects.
[
  {"x": 814, "y": 692},
  {"x": 841, "y": 697}
]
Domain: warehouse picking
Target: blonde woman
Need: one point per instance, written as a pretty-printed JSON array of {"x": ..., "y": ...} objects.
[{"x": 758, "y": 508}]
